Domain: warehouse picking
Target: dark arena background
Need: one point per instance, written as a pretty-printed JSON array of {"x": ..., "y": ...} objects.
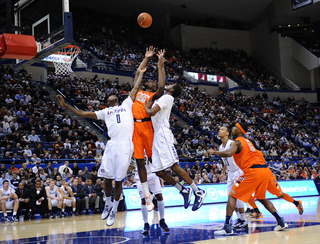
[{"x": 253, "y": 62}]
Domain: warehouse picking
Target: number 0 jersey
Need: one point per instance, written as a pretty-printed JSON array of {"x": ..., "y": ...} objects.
[
  {"x": 229, "y": 162},
  {"x": 119, "y": 119}
]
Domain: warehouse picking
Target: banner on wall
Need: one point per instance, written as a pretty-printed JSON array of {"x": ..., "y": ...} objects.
[
  {"x": 217, "y": 193},
  {"x": 300, "y": 3},
  {"x": 206, "y": 77}
]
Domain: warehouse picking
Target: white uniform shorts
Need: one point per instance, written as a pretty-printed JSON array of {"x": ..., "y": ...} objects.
[
  {"x": 164, "y": 154},
  {"x": 116, "y": 159},
  {"x": 232, "y": 177},
  {"x": 153, "y": 184},
  {"x": 9, "y": 204},
  {"x": 54, "y": 202},
  {"x": 68, "y": 202}
]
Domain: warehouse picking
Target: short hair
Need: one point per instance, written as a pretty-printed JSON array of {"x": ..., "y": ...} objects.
[
  {"x": 176, "y": 90},
  {"x": 38, "y": 181},
  {"x": 5, "y": 181},
  {"x": 229, "y": 130}
]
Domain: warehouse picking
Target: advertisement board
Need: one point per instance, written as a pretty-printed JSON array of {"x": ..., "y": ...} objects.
[
  {"x": 217, "y": 193},
  {"x": 206, "y": 77}
]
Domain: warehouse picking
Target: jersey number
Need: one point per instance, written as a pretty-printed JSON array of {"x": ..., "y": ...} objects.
[
  {"x": 118, "y": 118},
  {"x": 252, "y": 148}
]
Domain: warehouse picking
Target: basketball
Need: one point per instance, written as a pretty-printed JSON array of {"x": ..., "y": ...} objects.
[{"x": 144, "y": 20}]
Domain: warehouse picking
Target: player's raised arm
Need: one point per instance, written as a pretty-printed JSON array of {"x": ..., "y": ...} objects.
[
  {"x": 227, "y": 153},
  {"x": 149, "y": 53},
  {"x": 162, "y": 75},
  {"x": 83, "y": 114},
  {"x": 136, "y": 87}
]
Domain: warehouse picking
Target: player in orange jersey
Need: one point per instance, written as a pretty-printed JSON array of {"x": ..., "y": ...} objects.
[
  {"x": 255, "y": 178},
  {"x": 143, "y": 131}
]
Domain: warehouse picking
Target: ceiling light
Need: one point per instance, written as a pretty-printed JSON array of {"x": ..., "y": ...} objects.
[
  {"x": 298, "y": 25},
  {"x": 288, "y": 25}
]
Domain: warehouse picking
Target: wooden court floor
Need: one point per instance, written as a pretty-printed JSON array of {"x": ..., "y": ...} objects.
[{"x": 185, "y": 227}]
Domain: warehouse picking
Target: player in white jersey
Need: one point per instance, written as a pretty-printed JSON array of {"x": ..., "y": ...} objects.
[
  {"x": 68, "y": 198},
  {"x": 119, "y": 149},
  {"x": 164, "y": 154},
  {"x": 54, "y": 198},
  {"x": 234, "y": 173},
  {"x": 154, "y": 187},
  {"x": 9, "y": 200}
]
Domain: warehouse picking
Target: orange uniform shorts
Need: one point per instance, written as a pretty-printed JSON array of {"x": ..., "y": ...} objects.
[
  {"x": 142, "y": 139},
  {"x": 274, "y": 187},
  {"x": 253, "y": 180}
]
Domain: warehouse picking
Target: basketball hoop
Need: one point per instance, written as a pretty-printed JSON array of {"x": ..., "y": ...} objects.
[{"x": 63, "y": 59}]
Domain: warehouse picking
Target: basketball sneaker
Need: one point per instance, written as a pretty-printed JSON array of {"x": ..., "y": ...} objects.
[
  {"x": 198, "y": 201},
  {"x": 111, "y": 219},
  {"x": 52, "y": 216},
  {"x": 163, "y": 225},
  {"x": 300, "y": 207},
  {"x": 146, "y": 229},
  {"x": 281, "y": 225},
  {"x": 106, "y": 212},
  {"x": 242, "y": 225},
  {"x": 149, "y": 202},
  {"x": 6, "y": 219},
  {"x": 14, "y": 218},
  {"x": 186, "y": 193},
  {"x": 236, "y": 224},
  {"x": 225, "y": 231},
  {"x": 257, "y": 215}
]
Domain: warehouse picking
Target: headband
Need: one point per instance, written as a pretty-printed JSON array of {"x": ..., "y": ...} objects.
[{"x": 239, "y": 126}]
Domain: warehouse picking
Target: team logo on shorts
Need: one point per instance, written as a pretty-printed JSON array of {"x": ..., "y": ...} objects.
[
  {"x": 102, "y": 170},
  {"x": 134, "y": 198},
  {"x": 213, "y": 194}
]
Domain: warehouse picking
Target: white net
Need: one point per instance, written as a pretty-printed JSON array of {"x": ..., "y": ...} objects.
[{"x": 63, "y": 60}]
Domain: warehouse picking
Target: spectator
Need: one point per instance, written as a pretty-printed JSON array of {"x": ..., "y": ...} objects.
[
  {"x": 75, "y": 169},
  {"x": 91, "y": 196},
  {"x": 48, "y": 170},
  {"x": 33, "y": 137},
  {"x": 36, "y": 168},
  {"x": 62, "y": 167},
  {"x": 24, "y": 197},
  {"x": 79, "y": 195},
  {"x": 38, "y": 199}
]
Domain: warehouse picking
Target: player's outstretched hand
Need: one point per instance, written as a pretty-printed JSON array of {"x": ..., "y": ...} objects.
[
  {"x": 161, "y": 58},
  {"x": 150, "y": 52},
  {"x": 148, "y": 104},
  {"x": 61, "y": 100},
  {"x": 211, "y": 151}
]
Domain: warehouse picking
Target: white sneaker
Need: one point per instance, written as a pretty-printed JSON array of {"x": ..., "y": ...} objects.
[
  {"x": 280, "y": 228},
  {"x": 111, "y": 219},
  {"x": 106, "y": 212},
  {"x": 225, "y": 231},
  {"x": 149, "y": 202}
]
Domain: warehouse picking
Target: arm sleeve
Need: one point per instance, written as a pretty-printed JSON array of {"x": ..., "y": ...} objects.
[{"x": 100, "y": 114}]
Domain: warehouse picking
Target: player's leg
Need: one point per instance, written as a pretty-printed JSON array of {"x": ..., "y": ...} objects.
[
  {"x": 257, "y": 214},
  {"x": 199, "y": 193},
  {"x": 108, "y": 204},
  {"x": 144, "y": 211},
  {"x": 298, "y": 203},
  {"x": 15, "y": 210},
  {"x": 117, "y": 193},
  {"x": 4, "y": 210},
  {"x": 242, "y": 220},
  {"x": 63, "y": 208}
]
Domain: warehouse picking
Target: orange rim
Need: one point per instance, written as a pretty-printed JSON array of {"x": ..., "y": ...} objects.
[{"x": 69, "y": 53}]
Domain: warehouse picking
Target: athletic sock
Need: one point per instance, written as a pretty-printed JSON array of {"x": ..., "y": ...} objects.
[
  {"x": 194, "y": 187},
  {"x": 14, "y": 213},
  {"x": 144, "y": 211},
  {"x": 145, "y": 188},
  {"x": 288, "y": 198},
  {"x": 62, "y": 210},
  {"x": 276, "y": 215},
  {"x": 108, "y": 202},
  {"x": 238, "y": 215},
  {"x": 161, "y": 209},
  {"x": 243, "y": 217},
  {"x": 73, "y": 209},
  {"x": 296, "y": 203},
  {"x": 228, "y": 219},
  {"x": 115, "y": 206},
  {"x": 5, "y": 215},
  {"x": 178, "y": 186}
]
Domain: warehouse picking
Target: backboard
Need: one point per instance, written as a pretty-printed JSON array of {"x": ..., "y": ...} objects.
[{"x": 50, "y": 22}]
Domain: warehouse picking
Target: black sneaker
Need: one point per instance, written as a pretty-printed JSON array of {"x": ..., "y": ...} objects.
[
  {"x": 146, "y": 229},
  {"x": 247, "y": 212},
  {"x": 186, "y": 193},
  {"x": 199, "y": 198},
  {"x": 163, "y": 225}
]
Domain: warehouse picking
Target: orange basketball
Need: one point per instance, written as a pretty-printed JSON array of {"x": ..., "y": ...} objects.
[{"x": 144, "y": 20}]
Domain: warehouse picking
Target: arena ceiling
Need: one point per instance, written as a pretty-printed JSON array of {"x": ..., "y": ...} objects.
[{"x": 244, "y": 11}]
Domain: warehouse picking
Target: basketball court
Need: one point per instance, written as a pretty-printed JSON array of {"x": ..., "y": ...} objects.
[{"x": 185, "y": 227}]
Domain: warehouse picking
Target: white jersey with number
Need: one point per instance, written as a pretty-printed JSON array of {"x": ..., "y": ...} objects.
[
  {"x": 119, "y": 119},
  {"x": 53, "y": 192},
  {"x": 6, "y": 193},
  {"x": 161, "y": 119},
  {"x": 229, "y": 162},
  {"x": 66, "y": 192}
]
